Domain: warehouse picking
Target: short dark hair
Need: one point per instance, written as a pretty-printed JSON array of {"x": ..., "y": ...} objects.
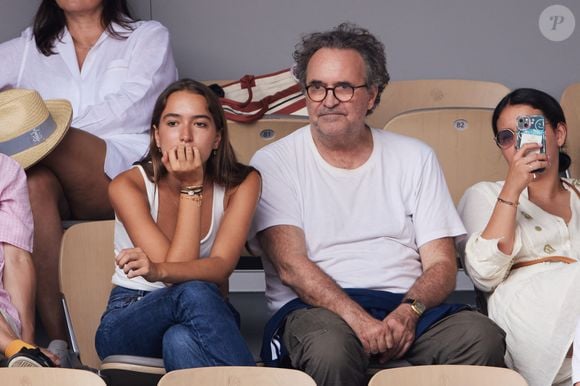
[
  {"x": 547, "y": 104},
  {"x": 346, "y": 36},
  {"x": 49, "y": 22},
  {"x": 222, "y": 166}
]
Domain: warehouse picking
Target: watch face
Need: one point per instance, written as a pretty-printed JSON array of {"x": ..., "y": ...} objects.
[
  {"x": 416, "y": 305},
  {"x": 420, "y": 306}
]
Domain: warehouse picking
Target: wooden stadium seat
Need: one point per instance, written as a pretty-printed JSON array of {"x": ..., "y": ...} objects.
[
  {"x": 48, "y": 376},
  {"x": 238, "y": 376},
  {"x": 448, "y": 375},
  {"x": 462, "y": 138},
  {"x": 86, "y": 268},
  {"x": 570, "y": 102},
  {"x": 406, "y": 95},
  {"x": 247, "y": 138}
]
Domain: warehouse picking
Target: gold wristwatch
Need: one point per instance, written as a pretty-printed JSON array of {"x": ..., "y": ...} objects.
[{"x": 416, "y": 305}]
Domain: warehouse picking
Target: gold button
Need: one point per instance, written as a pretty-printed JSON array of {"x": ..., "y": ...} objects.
[
  {"x": 549, "y": 249},
  {"x": 538, "y": 228}
]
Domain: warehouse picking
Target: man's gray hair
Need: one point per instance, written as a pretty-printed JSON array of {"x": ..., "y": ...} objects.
[{"x": 346, "y": 36}]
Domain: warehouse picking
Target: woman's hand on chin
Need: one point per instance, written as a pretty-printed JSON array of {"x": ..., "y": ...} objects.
[{"x": 185, "y": 163}]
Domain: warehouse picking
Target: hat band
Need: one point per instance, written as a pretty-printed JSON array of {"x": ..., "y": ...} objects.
[{"x": 31, "y": 138}]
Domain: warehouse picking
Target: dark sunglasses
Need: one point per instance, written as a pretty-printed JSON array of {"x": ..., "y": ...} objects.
[{"x": 505, "y": 138}]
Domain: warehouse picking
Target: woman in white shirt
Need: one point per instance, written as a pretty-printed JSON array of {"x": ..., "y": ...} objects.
[
  {"x": 182, "y": 216},
  {"x": 111, "y": 69},
  {"x": 524, "y": 241}
]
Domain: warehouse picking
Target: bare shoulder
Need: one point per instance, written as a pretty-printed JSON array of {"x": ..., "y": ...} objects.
[
  {"x": 252, "y": 181},
  {"x": 128, "y": 183},
  {"x": 253, "y": 178},
  {"x": 250, "y": 187}
]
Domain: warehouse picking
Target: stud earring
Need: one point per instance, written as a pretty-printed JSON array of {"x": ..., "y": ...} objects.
[{"x": 214, "y": 152}]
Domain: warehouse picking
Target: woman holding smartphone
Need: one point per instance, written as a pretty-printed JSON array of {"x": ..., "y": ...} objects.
[
  {"x": 182, "y": 215},
  {"x": 523, "y": 242}
]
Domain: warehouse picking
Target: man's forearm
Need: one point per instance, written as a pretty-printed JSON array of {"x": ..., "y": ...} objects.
[
  {"x": 439, "y": 273},
  {"x": 318, "y": 289},
  {"x": 434, "y": 285},
  {"x": 286, "y": 247}
]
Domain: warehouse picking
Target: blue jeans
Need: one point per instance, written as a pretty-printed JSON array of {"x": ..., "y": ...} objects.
[{"x": 187, "y": 324}]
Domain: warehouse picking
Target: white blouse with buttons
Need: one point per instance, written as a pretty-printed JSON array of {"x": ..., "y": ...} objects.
[
  {"x": 538, "y": 305},
  {"x": 538, "y": 234}
]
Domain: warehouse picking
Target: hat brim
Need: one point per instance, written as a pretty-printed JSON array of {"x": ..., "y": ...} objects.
[{"x": 61, "y": 112}]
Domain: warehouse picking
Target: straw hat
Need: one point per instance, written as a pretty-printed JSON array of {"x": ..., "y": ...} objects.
[{"x": 30, "y": 127}]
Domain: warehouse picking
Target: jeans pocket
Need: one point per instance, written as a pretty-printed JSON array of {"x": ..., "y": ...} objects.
[{"x": 122, "y": 299}]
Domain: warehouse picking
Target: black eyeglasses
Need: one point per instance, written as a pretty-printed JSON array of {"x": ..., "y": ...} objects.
[
  {"x": 343, "y": 91},
  {"x": 505, "y": 138}
]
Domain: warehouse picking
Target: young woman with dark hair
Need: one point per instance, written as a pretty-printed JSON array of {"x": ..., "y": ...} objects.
[
  {"x": 182, "y": 215},
  {"x": 523, "y": 242}
]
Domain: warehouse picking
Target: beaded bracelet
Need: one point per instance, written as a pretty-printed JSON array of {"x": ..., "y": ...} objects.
[{"x": 192, "y": 190}]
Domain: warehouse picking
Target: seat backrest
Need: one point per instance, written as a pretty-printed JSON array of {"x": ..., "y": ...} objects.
[
  {"x": 47, "y": 376},
  {"x": 86, "y": 268},
  {"x": 448, "y": 375},
  {"x": 220, "y": 82},
  {"x": 462, "y": 138},
  {"x": 247, "y": 138},
  {"x": 570, "y": 102},
  {"x": 407, "y": 95},
  {"x": 235, "y": 375}
]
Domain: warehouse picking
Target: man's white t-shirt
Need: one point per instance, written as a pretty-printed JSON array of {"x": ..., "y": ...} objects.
[{"x": 363, "y": 226}]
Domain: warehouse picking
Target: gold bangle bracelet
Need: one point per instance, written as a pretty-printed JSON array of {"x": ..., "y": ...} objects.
[{"x": 502, "y": 201}]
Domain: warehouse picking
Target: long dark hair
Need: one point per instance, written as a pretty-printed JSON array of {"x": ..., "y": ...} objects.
[
  {"x": 49, "y": 22},
  {"x": 222, "y": 166},
  {"x": 539, "y": 100}
]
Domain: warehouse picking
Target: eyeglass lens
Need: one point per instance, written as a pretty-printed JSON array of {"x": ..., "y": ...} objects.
[
  {"x": 342, "y": 92},
  {"x": 505, "y": 138}
]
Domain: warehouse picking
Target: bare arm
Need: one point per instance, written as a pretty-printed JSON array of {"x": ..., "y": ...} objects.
[
  {"x": 502, "y": 223},
  {"x": 431, "y": 288},
  {"x": 229, "y": 241},
  {"x": 20, "y": 283},
  {"x": 129, "y": 200},
  {"x": 285, "y": 245},
  {"x": 439, "y": 272},
  {"x": 225, "y": 251}
]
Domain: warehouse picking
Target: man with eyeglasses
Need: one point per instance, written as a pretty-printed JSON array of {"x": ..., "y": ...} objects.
[{"x": 356, "y": 230}]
